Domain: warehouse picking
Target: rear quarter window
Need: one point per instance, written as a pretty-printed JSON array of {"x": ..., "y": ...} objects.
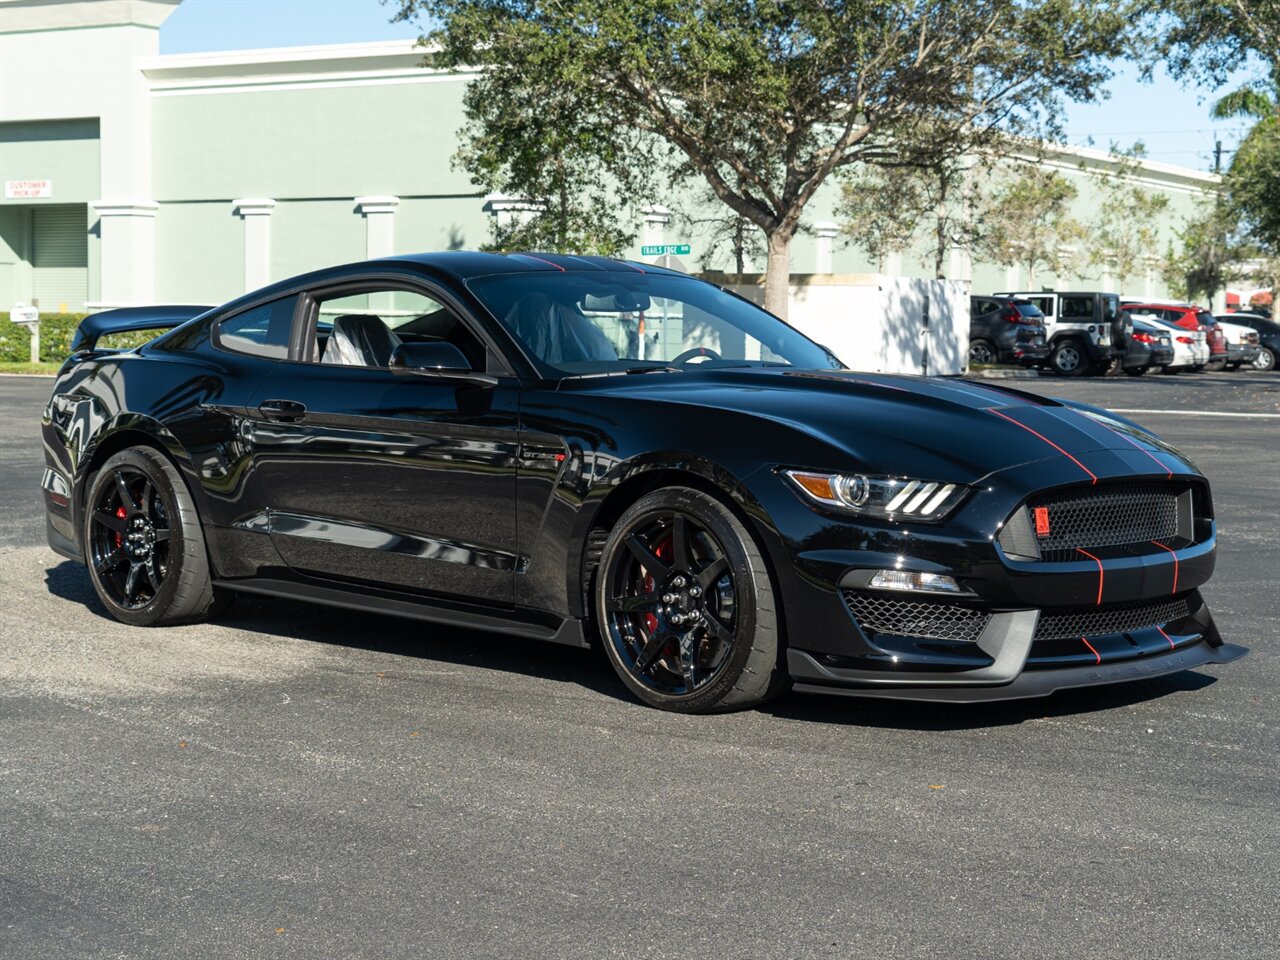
[
  {"x": 261, "y": 331},
  {"x": 1077, "y": 308}
]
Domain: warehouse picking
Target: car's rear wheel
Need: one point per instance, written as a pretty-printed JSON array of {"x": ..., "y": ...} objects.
[
  {"x": 1215, "y": 366},
  {"x": 1265, "y": 360},
  {"x": 143, "y": 543},
  {"x": 685, "y": 605},
  {"x": 983, "y": 352},
  {"x": 1068, "y": 358},
  {"x": 1136, "y": 371}
]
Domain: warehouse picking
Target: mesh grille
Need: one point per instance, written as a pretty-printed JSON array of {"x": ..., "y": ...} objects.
[
  {"x": 1074, "y": 622},
  {"x": 916, "y": 618},
  {"x": 1131, "y": 513}
]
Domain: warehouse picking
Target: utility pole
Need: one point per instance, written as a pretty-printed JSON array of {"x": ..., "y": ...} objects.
[{"x": 1217, "y": 156}]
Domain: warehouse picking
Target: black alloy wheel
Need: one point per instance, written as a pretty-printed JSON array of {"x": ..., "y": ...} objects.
[
  {"x": 143, "y": 543},
  {"x": 129, "y": 538},
  {"x": 982, "y": 351},
  {"x": 685, "y": 605}
]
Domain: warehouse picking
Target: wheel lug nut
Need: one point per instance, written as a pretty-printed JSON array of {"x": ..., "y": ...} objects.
[
  {"x": 695, "y": 591},
  {"x": 678, "y": 582},
  {"x": 668, "y": 598}
]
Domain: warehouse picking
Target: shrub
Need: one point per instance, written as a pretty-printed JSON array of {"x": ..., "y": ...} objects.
[{"x": 56, "y": 331}]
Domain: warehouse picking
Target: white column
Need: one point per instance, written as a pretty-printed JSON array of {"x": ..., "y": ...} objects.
[
  {"x": 128, "y": 245},
  {"x": 1012, "y": 278},
  {"x": 961, "y": 265},
  {"x": 826, "y": 233},
  {"x": 1067, "y": 256},
  {"x": 256, "y": 214},
  {"x": 380, "y": 224},
  {"x": 656, "y": 219},
  {"x": 511, "y": 211},
  {"x": 1152, "y": 264},
  {"x": 893, "y": 265}
]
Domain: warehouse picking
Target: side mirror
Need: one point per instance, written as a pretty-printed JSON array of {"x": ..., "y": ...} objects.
[{"x": 436, "y": 358}]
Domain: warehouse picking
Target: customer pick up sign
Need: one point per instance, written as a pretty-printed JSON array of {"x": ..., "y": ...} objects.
[{"x": 28, "y": 189}]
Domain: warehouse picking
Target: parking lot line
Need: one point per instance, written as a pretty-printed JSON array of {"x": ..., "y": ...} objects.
[{"x": 1200, "y": 413}]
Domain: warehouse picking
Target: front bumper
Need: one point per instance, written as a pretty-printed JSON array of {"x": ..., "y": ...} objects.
[{"x": 1041, "y": 624}]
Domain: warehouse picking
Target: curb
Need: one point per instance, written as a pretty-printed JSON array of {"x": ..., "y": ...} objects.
[{"x": 992, "y": 374}]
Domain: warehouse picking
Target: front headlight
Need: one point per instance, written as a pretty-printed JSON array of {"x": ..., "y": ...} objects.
[{"x": 879, "y": 496}]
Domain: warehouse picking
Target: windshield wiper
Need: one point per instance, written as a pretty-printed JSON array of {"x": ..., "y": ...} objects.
[{"x": 659, "y": 369}]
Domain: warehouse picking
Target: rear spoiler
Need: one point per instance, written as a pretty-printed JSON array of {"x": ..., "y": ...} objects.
[{"x": 128, "y": 319}]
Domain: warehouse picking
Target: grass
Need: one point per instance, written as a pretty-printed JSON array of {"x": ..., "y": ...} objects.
[{"x": 8, "y": 366}]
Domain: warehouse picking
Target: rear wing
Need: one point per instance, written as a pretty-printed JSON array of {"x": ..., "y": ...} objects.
[{"x": 128, "y": 319}]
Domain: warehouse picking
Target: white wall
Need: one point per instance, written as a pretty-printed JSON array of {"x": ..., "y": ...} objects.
[{"x": 875, "y": 323}]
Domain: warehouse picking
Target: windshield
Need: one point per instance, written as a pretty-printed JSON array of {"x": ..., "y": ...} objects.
[{"x": 584, "y": 323}]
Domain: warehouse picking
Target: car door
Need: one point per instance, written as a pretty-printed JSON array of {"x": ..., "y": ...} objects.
[{"x": 398, "y": 480}]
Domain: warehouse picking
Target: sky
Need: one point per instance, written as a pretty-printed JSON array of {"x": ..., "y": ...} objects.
[{"x": 1170, "y": 119}]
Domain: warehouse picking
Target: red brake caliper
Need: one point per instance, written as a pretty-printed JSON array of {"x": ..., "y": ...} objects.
[
  {"x": 121, "y": 512},
  {"x": 660, "y": 551}
]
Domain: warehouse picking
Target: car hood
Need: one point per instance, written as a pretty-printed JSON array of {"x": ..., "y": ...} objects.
[{"x": 932, "y": 428}]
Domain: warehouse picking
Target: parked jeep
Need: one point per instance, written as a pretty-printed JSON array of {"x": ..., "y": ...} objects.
[{"x": 1086, "y": 332}]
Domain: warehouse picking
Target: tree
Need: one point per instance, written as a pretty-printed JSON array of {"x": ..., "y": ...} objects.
[
  {"x": 1214, "y": 38},
  {"x": 1123, "y": 233},
  {"x": 1032, "y": 219},
  {"x": 763, "y": 100},
  {"x": 1253, "y": 180},
  {"x": 1203, "y": 261},
  {"x": 723, "y": 231},
  {"x": 885, "y": 209}
]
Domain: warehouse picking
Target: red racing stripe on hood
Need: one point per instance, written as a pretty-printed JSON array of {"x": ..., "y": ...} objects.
[{"x": 1093, "y": 477}]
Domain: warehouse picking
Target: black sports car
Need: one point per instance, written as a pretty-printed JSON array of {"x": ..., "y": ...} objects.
[{"x": 579, "y": 449}]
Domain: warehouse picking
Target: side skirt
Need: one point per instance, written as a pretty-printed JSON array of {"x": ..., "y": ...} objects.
[{"x": 569, "y": 632}]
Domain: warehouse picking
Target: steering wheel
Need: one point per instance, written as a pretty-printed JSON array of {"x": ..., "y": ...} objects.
[{"x": 693, "y": 354}]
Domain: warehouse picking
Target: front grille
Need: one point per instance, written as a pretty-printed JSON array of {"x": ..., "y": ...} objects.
[
  {"x": 1074, "y": 622},
  {"x": 916, "y": 618},
  {"x": 1111, "y": 516}
]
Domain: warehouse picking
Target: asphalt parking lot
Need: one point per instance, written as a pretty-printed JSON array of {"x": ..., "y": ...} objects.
[{"x": 295, "y": 781}]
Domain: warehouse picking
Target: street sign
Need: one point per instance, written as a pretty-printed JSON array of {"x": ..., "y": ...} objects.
[{"x": 663, "y": 249}]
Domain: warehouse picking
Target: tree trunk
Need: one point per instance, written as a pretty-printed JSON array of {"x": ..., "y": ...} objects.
[{"x": 777, "y": 273}]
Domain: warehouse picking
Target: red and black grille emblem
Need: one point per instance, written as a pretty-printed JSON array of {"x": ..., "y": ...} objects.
[{"x": 1041, "y": 515}]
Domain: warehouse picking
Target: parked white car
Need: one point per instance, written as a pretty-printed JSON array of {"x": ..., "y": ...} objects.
[
  {"x": 1190, "y": 348},
  {"x": 1242, "y": 342}
]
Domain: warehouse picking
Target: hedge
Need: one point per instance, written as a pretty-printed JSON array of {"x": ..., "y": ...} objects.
[{"x": 56, "y": 331}]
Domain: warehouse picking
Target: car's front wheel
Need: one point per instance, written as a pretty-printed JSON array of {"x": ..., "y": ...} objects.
[
  {"x": 143, "y": 543},
  {"x": 686, "y": 607}
]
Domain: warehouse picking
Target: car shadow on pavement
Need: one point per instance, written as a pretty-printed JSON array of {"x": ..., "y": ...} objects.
[{"x": 379, "y": 633}]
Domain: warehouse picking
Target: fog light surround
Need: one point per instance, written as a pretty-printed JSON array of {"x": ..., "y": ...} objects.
[{"x": 909, "y": 580}]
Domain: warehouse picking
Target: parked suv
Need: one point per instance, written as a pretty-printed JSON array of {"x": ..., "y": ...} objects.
[
  {"x": 1189, "y": 317},
  {"x": 1004, "y": 330},
  {"x": 1268, "y": 338},
  {"x": 1086, "y": 332}
]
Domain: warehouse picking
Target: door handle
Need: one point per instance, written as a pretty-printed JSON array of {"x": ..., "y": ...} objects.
[{"x": 283, "y": 411}]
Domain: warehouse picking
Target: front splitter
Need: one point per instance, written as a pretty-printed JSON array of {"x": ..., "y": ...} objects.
[{"x": 812, "y": 677}]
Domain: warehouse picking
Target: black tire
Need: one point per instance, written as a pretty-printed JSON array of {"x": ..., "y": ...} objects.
[
  {"x": 1136, "y": 371},
  {"x": 1069, "y": 358},
  {"x": 1265, "y": 360},
  {"x": 682, "y": 589},
  {"x": 1215, "y": 366},
  {"x": 143, "y": 543},
  {"x": 983, "y": 351}
]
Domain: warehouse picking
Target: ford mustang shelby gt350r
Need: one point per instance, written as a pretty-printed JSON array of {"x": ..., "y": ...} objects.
[{"x": 579, "y": 449}]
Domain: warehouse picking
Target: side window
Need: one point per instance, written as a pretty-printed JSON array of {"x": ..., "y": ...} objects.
[
  {"x": 1077, "y": 308},
  {"x": 362, "y": 328},
  {"x": 261, "y": 331},
  {"x": 1043, "y": 304}
]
